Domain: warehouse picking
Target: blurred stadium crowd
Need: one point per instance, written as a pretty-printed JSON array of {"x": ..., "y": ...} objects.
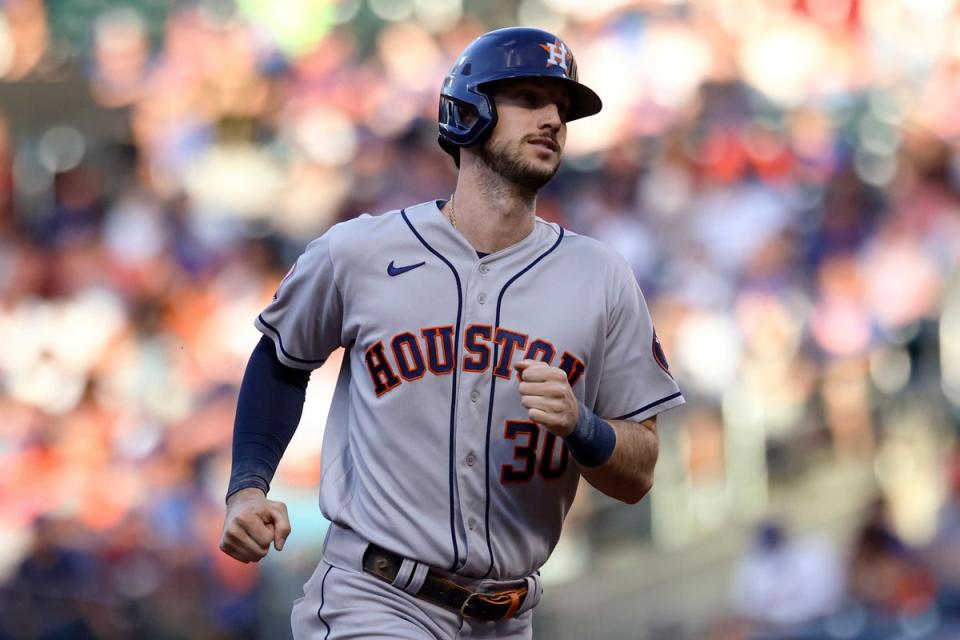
[{"x": 783, "y": 176}]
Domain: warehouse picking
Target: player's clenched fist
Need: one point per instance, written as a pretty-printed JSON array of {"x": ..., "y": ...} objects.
[
  {"x": 546, "y": 393},
  {"x": 252, "y": 523}
]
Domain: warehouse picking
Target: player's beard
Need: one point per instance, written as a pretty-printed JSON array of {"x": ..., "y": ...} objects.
[{"x": 510, "y": 164}]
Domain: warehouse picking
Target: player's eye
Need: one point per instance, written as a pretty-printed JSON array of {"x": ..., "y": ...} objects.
[{"x": 526, "y": 97}]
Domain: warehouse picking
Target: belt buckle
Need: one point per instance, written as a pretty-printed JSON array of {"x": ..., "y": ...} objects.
[
  {"x": 466, "y": 605},
  {"x": 510, "y": 599}
]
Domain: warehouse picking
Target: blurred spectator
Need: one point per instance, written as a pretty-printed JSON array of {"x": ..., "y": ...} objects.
[
  {"x": 55, "y": 589},
  {"x": 943, "y": 553},
  {"x": 794, "y": 221},
  {"x": 784, "y": 582},
  {"x": 885, "y": 574}
]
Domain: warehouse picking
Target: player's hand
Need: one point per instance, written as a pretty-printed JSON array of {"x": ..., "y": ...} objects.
[
  {"x": 546, "y": 393},
  {"x": 252, "y": 523}
]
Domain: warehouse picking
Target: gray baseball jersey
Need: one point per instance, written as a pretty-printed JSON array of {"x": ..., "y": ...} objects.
[{"x": 428, "y": 451}]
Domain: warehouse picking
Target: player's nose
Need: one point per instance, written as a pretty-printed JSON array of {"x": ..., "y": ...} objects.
[{"x": 550, "y": 117}]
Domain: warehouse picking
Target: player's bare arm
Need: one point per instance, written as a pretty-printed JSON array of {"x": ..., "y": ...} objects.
[
  {"x": 627, "y": 474},
  {"x": 251, "y": 524}
]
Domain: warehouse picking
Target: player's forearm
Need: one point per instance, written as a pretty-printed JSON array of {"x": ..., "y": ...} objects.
[
  {"x": 628, "y": 474},
  {"x": 268, "y": 411}
]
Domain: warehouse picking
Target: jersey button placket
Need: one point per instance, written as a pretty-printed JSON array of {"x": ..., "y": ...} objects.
[{"x": 472, "y": 422}]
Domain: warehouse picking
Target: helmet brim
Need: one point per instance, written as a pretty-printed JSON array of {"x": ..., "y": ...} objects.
[{"x": 583, "y": 100}]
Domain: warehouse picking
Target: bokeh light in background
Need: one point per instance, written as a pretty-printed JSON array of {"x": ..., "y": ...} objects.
[{"x": 782, "y": 176}]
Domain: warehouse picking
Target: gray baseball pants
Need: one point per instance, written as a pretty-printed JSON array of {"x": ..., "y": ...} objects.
[{"x": 342, "y": 602}]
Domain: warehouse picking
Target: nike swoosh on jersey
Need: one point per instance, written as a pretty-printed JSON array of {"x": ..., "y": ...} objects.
[{"x": 395, "y": 271}]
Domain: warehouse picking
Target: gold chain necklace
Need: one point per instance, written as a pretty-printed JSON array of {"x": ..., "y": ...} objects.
[{"x": 453, "y": 216}]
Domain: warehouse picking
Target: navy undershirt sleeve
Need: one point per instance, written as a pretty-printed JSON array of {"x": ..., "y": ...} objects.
[{"x": 268, "y": 411}]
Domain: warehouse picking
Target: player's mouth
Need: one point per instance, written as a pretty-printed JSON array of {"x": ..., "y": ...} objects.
[{"x": 545, "y": 143}]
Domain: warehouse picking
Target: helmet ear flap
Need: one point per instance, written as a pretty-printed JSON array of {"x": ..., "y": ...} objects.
[
  {"x": 463, "y": 123},
  {"x": 461, "y": 118},
  {"x": 457, "y": 116}
]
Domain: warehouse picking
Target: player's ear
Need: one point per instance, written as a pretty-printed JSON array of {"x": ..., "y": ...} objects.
[{"x": 468, "y": 115}]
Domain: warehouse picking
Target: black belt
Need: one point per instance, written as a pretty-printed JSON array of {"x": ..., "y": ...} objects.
[{"x": 489, "y": 606}]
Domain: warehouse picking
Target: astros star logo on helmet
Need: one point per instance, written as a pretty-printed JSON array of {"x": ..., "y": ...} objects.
[{"x": 558, "y": 54}]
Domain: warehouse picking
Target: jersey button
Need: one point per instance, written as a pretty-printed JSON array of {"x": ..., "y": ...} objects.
[
  {"x": 474, "y": 395},
  {"x": 482, "y": 298},
  {"x": 472, "y": 524},
  {"x": 471, "y": 459},
  {"x": 484, "y": 268}
]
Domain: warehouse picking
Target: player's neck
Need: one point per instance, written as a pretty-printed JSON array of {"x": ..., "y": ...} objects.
[{"x": 491, "y": 213}]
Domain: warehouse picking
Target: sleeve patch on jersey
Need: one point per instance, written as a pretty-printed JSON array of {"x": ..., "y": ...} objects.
[{"x": 658, "y": 354}]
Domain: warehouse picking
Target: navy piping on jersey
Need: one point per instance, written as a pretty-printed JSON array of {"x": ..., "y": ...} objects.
[
  {"x": 493, "y": 385},
  {"x": 453, "y": 395},
  {"x": 323, "y": 584},
  {"x": 280, "y": 344},
  {"x": 648, "y": 406}
]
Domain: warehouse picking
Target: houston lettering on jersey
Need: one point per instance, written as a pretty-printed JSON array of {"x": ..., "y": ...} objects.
[{"x": 408, "y": 356}]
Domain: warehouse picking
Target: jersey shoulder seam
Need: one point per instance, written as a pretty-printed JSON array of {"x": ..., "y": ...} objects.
[
  {"x": 333, "y": 261},
  {"x": 345, "y": 232}
]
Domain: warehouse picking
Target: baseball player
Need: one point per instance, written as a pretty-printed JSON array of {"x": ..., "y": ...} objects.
[{"x": 492, "y": 359}]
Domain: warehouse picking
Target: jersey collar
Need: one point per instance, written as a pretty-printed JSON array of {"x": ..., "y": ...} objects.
[{"x": 435, "y": 227}]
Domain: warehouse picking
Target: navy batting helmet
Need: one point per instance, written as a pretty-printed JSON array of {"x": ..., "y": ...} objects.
[{"x": 467, "y": 113}]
